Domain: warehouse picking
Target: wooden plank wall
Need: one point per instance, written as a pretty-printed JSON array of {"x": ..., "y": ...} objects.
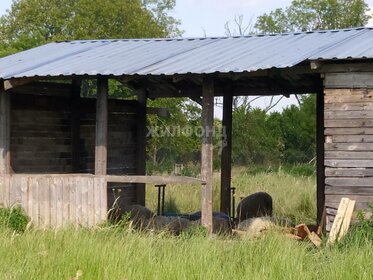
[
  {"x": 121, "y": 137},
  {"x": 122, "y": 147},
  {"x": 40, "y": 134},
  {"x": 348, "y": 142},
  {"x": 41, "y": 138},
  {"x": 57, "y": 200}
]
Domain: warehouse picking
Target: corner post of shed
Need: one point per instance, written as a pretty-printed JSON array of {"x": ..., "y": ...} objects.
[
  {"x": 75, "y": 125},
  {"x": 101, "y": 126},
  {"x": 320, "y": 150},
  {"x": 141, "y": 143},
  {"x": 207, "y": 151},
  {"x": 5, "y": 167},
  {"x": 226, "y": 152}
]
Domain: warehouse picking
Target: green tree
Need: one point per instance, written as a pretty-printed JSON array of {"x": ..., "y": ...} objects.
[
  {"x": 253, "y": 140},
  {"x": 308, "y": 15},
  {"x": 30, "y": 23}
]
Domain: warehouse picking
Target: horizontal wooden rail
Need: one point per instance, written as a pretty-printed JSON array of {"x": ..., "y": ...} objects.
[{"x": 156, "y": 180}]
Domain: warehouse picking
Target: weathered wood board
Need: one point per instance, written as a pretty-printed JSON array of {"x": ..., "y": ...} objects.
[
  {"x": 57, "y": 200},
  {"x": 348, "y": 132}
]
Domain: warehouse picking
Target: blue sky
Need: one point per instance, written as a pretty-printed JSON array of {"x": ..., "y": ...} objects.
[{"x": 208, "y": 17}]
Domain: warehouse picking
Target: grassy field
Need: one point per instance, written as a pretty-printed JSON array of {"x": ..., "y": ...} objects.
[
  {"x": 118, "y": 253},
  {"x": 294, "y": 197}
]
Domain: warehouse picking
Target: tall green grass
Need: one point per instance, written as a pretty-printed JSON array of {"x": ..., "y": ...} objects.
[
  {"x": 294, "y": 197},
  {"x": 118, "y": 253},
  {"x": 114, "y": 254}
]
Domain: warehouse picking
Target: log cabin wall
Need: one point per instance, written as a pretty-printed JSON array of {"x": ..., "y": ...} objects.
[{"x": 348, "y": 114}]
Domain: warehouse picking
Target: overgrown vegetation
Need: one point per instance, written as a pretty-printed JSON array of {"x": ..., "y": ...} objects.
[
  {"x": 14, "y": 219},
  {"x": 115, "y": 252}
]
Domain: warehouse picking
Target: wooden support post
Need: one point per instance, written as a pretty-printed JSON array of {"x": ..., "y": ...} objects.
[
  {"x": 101, "y": 126},
  {"x": 207, "y": 151},
  {"x": 320, "y": 169},
  {"x": 5, "y": 167},
  {"x": 75, "y": 125},
  {"x": 226, "y": 153},
  {"x": 141, "y": 144}
]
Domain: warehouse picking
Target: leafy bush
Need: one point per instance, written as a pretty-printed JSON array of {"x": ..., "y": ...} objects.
[{"x": 13, "y": 218}]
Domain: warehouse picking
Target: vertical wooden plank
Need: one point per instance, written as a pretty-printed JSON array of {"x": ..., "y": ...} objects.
[
  {"x": 97, "y": 197},
  {"x": 4, "y": 131},
  {"x": 24, "y": 194},
  {"x": 6, "y": 195},
  {"x": 226, "y": 153},
  {"x": 45, "y": 183},
  {"x": 2, "y": 189},
  {"x": 78, "y": 201},
  {"x": 338, "y": 220},
  {"x": 53, "y": 202},
  {"x": 75, "y": 125},
  {"x": 30, "y": 206},
  {"x": 59, "y": 203},
  {"x": 141, "y": 144},
  {"x": 18, "y": 192},
  {"x": 35, "y": 201},
  {"x": 84, "y": 201},
  {"x": 347, "y": 219},
  {"x": 101, "y": 126},
  {"x": 207, "y": 151},
  {"x": 102, "y": 186},
  {"x": 66, "y": 201},
  {"x": 91, "y": 202},
  {"x": 320, "y": 155},
  {"x": 12, "y": 191},
  {"x": 72, "y": 201},
  {"x": 42, "y": 201}
]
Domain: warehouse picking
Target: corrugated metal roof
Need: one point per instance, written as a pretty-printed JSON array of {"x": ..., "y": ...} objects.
[{"x": 191, "y": 55}]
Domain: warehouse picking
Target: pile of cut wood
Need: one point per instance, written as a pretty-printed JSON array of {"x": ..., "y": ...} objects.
[{"x": 339, "y": 229}]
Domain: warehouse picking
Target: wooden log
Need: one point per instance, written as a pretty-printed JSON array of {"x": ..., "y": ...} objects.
[
  {"x": 349, "y": 172},
  {"x": 226, "y": 153},
  {"x": 5, "y": 167},
  {"x": 207, "y": 152},
  {"x": 348, "y": 96},
  {"x": 349, "y": 131},
  {"x": 340, "y": 115},
  {"x": 348, "y": 155},
  {"x": 357, "y": 106},
  {"x": 349, "y": 147},
  {"x": 141, "y": 143},
  {"x": 352, "y": 189},
  {"x": 356, "y": 163},
  {"x": 352, "y": 139},
  {"x": 101, "y": 126},
  {"x": 349, "y": 80},
  {"x": 349, "y": 182},
  {"x": 349, "y": 123},
  {"x": 345, "y": 92}
]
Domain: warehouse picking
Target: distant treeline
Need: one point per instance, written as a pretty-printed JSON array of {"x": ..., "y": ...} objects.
[{"x": 259, "y": 137}]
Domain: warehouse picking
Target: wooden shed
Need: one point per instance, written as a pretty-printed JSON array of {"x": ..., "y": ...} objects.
[{"x": 65, "y": 157}]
